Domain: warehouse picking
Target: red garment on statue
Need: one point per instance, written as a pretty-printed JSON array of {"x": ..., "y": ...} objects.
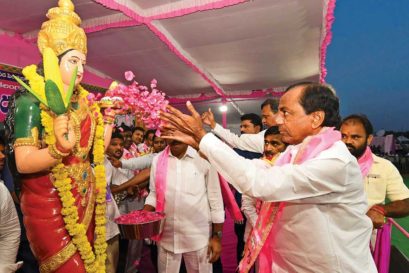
[{"x": 41, "y": 208}]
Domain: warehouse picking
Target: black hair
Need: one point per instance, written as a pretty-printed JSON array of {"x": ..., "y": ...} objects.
[
  {"x": 254, "y": 118},
  {"x": 319, "y": 97},
  {"x": 273, "y": 104},
  {"x": 154, "y": 136},
  {"x": 361, "y": 118},
  {"x": 137, "y": 128},
  {"x": 148, "y": 132},
  {"x": 117, "y": 135},
  {"x": 125, "y": 128},
  {"x": 273, "y": 130}
]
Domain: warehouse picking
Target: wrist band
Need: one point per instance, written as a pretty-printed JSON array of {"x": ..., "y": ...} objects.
[
  {"x": 55, "y": 153},
  {"x": 378, "y": 209},
  {"x": 109, "y": 120}
]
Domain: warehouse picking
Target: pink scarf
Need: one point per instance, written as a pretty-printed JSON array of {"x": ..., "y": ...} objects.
[
  {"x": 160, "y": 182},
  {"x": 365, "y": 161},
  {"x": 229, "y": 201},
  {"x": 382, "y": 250},
  {"x": 258, "y": 243},
  {"x": 127, "y": 154}
]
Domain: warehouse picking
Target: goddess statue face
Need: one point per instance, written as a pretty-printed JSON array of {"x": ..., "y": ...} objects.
[{"x": 68, "y": 62}]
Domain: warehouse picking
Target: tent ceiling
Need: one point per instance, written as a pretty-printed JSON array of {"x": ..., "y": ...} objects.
[{"x": 193, "y": 47}]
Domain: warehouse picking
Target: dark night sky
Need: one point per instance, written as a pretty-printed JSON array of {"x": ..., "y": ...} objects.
[{"x": 368, "y": 60}]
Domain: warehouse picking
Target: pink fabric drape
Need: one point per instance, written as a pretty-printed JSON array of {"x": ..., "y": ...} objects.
[
  {"x": 229, "y": 201},
  {"x": 382, "y": 251},
  {"x": 160, "y": 182},
  {"x": 365, "y": 162}
]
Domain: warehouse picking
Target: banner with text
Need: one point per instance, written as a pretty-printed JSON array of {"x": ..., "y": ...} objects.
[{"x": 8, "y": 85}]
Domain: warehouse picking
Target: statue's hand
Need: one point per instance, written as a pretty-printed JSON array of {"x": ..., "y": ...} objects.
[{"x": 64, "y": 134}]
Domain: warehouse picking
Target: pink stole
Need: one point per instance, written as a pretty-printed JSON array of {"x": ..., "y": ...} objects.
[
  {"x": 160, "y": 183},
  {"x": 365, "y": 162},
  {"x": 382, "y": 250},
  {"x": 259, "y": 242},
  {"x": 229, "y": 201}
]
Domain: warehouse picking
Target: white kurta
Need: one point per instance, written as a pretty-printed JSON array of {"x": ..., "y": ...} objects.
[
  {"x": 246, "y": 142},
  {"x": 323, "y": 227},
  {"x": 112, "y": 210},
  {"x": 9, "y": 232},
  {"x": 193, "y": 201},
  {"x": 119, "y": 177},
  {"x": 138, "y": 163}
]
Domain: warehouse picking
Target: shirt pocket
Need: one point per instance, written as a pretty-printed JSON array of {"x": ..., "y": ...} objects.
[
  {"x": 376, "y": 188},
  {"x": 193, "y": 183}
]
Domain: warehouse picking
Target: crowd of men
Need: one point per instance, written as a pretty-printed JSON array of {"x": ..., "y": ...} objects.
[{"x": 311, "y": 191}]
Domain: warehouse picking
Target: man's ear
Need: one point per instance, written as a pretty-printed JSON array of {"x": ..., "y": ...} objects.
[
  {"x": 369, "y": 139},
  {"x": 317, "y": 119},
  {"x": 258, "y": 127}
]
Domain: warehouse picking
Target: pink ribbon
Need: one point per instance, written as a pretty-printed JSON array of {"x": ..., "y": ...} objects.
[
  {"x": 160, "y": 182},
  {"x": 229, "y": 201},
  {"x": 365, "y": 162},
  {"x": 382, "y": 251}
]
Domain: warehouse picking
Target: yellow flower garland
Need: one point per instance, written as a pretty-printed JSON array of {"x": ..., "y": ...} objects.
[{"x": 94, "y": 261}]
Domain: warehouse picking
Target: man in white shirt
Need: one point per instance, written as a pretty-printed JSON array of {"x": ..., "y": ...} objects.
[
  {"x": 9, "y": 227},
  {"x": 126, "y": 203},
  {"x": 322, "y": 226},
  {"x": 382, "y": 179},
  {"x": 193, "y": 207},
  {"x": 245, "y": 142},
  {"x": 112, "y": 230}
]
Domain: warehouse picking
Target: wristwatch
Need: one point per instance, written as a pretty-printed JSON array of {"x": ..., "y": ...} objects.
[{"x": 218, "y": 234}]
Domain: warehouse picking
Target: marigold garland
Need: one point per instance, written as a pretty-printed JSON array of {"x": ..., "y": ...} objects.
[{"x": 94, "y": 261}]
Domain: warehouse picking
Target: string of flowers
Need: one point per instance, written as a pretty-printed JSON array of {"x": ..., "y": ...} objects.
[{"x": 94, "y": 261}]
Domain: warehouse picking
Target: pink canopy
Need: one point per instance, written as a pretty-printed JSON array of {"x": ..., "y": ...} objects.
[{"x": 205, "y": 50}]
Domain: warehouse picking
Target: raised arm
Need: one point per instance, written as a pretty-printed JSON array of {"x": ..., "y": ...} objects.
[
  {"x": 246, "y": 142},
  {"x": 285, "y": 183},
  {"x": 137, "y": 180}
]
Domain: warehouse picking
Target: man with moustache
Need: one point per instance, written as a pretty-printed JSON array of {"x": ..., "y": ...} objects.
[
  {"x": 250, "y": 124},
  {"x": 381, "y": 178},
  {"x": 251, "y": 207},
  {"x": 252, "y": 142},
  {"x": 186, "y": 188},
  {"x": 137, "y": 138},
  {"x": 126, "y": 133},
  {"x": 126, "y": 203},
  {"x": 320, "y": 225}
]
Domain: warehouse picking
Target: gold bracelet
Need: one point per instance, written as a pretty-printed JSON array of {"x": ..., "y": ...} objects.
[
  {"x": 55, "y": 153},
  {"x": 109, "y": 120}
]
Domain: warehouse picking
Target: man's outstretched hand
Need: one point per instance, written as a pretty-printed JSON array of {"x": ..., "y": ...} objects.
[
  {"x": 182, "y": 127},
  {"x": 208, "y": 118}
]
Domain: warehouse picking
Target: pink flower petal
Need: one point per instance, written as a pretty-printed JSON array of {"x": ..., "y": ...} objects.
[{"x": 129, "y": 75}]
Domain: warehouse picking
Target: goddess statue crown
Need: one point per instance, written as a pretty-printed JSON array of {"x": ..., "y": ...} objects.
[{"x": 62, "y": 32}]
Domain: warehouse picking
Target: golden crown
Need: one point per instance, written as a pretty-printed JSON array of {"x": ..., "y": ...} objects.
[{"x": 62, "y": 32}]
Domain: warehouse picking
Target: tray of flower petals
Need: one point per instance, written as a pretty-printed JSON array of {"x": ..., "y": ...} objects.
[{"x": 140, "y": 224}]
